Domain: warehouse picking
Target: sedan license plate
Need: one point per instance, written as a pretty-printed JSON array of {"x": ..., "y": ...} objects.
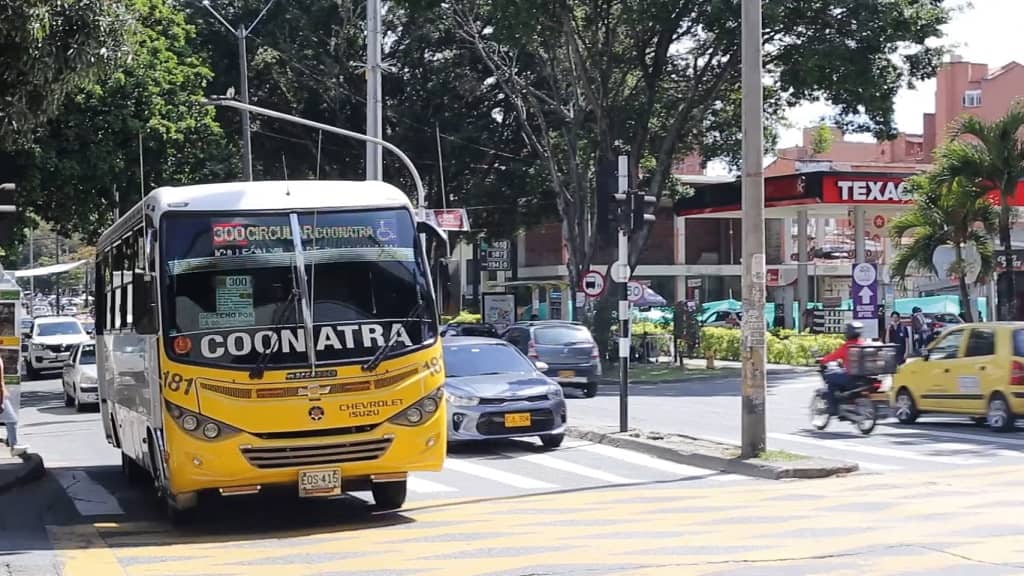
[
  {"x": 566, "y": 374},
  {"x": 518, "y": 420},
  {"x": 318, "y": 483}
]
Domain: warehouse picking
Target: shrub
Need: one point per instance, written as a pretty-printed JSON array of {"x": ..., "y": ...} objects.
[{"x": 793, "y": 349}]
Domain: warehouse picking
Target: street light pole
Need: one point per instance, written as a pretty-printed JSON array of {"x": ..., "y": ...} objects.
[
  {"x": 374, "y": 108},
  {"x": 241, "y": 33},
  {"x": 754, "y": 275}
]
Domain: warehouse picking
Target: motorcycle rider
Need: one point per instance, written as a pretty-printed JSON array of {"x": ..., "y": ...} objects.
[{"x": 838, "y": 379}]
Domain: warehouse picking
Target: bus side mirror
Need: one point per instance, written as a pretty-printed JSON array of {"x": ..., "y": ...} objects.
[
  {"x": 147, "y": 249},
  {"x": 429, "y": 229}
]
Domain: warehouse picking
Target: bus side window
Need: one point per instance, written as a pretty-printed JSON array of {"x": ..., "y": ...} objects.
[
  {"x": 144, "y": 304},
  {"x": 100, "y": 294}
]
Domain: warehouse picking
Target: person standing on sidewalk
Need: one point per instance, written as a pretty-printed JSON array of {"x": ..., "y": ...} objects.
[{"x": 9, "y": 418}]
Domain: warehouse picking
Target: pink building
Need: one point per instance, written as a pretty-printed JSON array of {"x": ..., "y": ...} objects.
[{"x": 970, "y": 88}]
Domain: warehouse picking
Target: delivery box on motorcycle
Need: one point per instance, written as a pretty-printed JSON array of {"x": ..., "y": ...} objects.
[{"x": 873, "y": 360}]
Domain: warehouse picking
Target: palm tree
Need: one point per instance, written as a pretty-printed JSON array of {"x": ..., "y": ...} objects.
[
  {"x": 994, "y": 155},
  {"x": 945, "y": 213}
]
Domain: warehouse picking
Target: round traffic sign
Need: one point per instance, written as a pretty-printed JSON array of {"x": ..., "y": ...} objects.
[
  {"x": 620, "y": 272},
  {"x": 864, "y": 274},
  {"x": 592, "y": 284},
  {"x": 634, "y": 291}
]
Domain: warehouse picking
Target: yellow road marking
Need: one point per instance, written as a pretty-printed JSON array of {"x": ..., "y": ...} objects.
[{"x": 83, "y": 552}]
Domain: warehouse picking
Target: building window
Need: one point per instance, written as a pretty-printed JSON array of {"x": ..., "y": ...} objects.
[{"x": 972, "y": 98}]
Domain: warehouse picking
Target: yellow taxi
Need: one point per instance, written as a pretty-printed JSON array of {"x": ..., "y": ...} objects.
[{"x": 971, "y": 369}]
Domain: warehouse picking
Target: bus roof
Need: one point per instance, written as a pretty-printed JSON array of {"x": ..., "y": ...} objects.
[{"x": 260, "y": 196}]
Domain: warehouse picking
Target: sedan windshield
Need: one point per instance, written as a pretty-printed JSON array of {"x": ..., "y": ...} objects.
[
  {"x": 234, "y": 296},
  {"x": 59, "y": 329},
  {"x": 560, "y": 335},
  {"x": 88, "y": 355},
  {"x": 461, "y": 360}
]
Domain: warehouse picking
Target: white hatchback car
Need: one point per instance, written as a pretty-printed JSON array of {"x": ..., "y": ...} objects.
[{"x": 79, "y": 377}]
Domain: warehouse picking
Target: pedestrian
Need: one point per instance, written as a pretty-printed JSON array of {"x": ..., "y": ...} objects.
[
  {"x": 9, "y": 417},
  {"x": 898, "y": 335},
  {"x": 921, "y": 330}
]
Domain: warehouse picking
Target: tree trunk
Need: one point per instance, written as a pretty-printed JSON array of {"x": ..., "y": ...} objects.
[
  {"x": 965, "y": 297},
  {"x": 1008, "y": 289}
]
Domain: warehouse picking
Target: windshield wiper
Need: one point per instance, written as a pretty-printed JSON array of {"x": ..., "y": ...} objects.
[
  {"x": 300, "y": 269},
  {"x": 414, "y": 314},
  {"x": 275, "y": 320}
]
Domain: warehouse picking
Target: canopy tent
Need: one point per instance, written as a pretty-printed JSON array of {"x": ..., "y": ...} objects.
[
  {"x": 47, "y": 270},
  {"x": 650, "y": 299}
]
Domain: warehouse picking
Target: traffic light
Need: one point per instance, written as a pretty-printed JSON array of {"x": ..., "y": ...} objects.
[
  {"x": 8, "y": 212},
  {"x": 623, "y": 209},
  {"x": 641, "y": 210},
  {"x": 607, "y": 183}
]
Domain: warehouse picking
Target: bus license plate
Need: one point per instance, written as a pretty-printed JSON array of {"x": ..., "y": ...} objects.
[
  {"x": 316, "y": 483},
  {"x": 517, "y": 420}
]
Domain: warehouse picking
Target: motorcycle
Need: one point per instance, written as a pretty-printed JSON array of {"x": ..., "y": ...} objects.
[{"x": 856, "y": 404}]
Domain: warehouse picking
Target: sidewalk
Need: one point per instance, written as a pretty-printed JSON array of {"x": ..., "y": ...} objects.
[
  {"x": 696, "y": 369},
  {"x": 17, "y": 471}
]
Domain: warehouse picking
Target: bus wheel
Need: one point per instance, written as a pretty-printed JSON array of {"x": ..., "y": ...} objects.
[
  {"x": 181, "y": 510},
  {"x": 131, "y": 470},
  {"x": 389, "y": 495}
]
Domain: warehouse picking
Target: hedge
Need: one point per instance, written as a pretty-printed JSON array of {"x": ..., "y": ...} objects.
[{"x": 787, "y": 348}]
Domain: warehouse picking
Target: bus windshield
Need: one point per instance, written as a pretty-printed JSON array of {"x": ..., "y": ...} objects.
[{"x": 231, "y": 294}]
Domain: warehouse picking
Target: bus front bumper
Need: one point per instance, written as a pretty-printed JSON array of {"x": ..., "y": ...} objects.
[{"x": 244, "y": 461}]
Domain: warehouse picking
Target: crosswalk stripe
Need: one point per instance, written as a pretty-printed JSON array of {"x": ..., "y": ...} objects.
[
  {"x": 424, "y": 486},
  {"x": 874, "y": 450},
  {"x": 651, "y": 462},
  {"x": 551, "y": 462},
  {"x": 507, "y": 478},
  {"x": 982, "y": 438},
  {"x": 90, "y": 498}
]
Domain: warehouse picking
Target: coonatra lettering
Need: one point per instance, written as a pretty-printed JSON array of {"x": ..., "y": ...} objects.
[{"x": 335, "y": 337}]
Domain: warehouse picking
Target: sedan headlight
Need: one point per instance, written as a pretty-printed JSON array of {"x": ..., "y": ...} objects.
[
  {"x": 456, "y": 400},
  {"x": 87, "y": 380},
  {"x": 555, "y": 393}
]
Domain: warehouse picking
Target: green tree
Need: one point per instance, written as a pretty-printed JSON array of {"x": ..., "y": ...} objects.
[
  {"x": 823, "y": 139},
  {"x": 592, "y": 80},
  {"x": 992, "y": 153},
  {"x": 85, "y": 164},
  {"x": 48, "y": 50},
  {"x": 954, "y": 213}
]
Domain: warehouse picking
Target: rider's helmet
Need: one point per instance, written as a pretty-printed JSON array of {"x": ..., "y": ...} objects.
[{"x": 853, "y": 330}]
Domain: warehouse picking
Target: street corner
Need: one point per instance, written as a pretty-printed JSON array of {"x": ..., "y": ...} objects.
[
  {"x": 716, "y": 456},
  {"x": 15, "y": 472}
]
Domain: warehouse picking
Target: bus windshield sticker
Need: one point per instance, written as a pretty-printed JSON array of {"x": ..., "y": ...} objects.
[
  {"x": 213, "y": 320},
  {"x": 234, "y": 294}
]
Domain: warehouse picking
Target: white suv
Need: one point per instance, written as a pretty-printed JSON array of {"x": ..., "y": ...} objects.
[{"x": 50, "y": 343}]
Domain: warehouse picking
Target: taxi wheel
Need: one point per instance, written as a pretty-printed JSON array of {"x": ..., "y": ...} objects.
[
  {"x": 906, "y": 409},
  {"x": 78, "y": 403},
  {"x": 1000, "y": 418},
  {"x": 389, "y": 495},
  {"x": 590, "y": 390},
  {"x": 68, "y": 400}
]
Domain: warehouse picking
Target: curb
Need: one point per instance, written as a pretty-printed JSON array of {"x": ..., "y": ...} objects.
[
  {"x": 800, "y": 469},
  {"x": 30, "y": 470}
]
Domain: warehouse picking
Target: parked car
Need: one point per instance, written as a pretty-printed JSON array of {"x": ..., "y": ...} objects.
[
  {"x": 79, "y": 377},
  {"x": 49, "y": 343},
  {"x": 724, "y": 319},
  {"x": 567, "y": 348},
  {"x": 466, "y": 329},
  {"x": 494, "y": 391},
  {"x": 939, "y": 322}
]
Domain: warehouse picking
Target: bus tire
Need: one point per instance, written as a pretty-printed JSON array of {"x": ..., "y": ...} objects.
[
  {"x": 389, "y": 495},
  {"x": 178, "y": 515},
  {"x": 132, "y": 471}
]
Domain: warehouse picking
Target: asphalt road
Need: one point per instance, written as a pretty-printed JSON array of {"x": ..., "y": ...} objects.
[
  {"x": 710, "y": 408},
  {"x": 84, "y": 486}
]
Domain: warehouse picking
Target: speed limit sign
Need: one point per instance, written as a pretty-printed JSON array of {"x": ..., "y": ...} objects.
[{"x": 634, "y": 291}]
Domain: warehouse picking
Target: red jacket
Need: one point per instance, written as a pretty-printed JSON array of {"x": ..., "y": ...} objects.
[{"x": 842, "y": 353}]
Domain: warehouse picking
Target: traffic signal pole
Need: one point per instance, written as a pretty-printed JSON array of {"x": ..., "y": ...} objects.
[{"x": 625, "y": 205}]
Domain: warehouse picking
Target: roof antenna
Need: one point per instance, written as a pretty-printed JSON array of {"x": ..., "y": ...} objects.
[{"x": 284, "y": 164}]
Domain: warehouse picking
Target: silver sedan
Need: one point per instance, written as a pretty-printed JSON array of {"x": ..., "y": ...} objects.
[{"x": 494, "y": 391}]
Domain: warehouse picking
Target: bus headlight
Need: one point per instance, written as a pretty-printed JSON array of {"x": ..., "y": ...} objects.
[
  {"x": 421, "y": 411},
  {"x": 199, "y": 426}
]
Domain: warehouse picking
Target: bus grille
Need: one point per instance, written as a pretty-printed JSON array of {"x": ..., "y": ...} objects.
[
  {"x": 315, "y": 455},
  {"x": 231, "y": 391}
]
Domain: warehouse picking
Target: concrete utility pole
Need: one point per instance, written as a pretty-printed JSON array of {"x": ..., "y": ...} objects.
[
  {"x": 754, "y": 275},
  {"x": 241, "y": 33},
  {"x": 374, "y": 109},
  {"x": 624, "y": 336}
]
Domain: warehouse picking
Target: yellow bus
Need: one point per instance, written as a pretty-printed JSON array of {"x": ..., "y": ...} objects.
[{"x": 258, "y": 334}]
